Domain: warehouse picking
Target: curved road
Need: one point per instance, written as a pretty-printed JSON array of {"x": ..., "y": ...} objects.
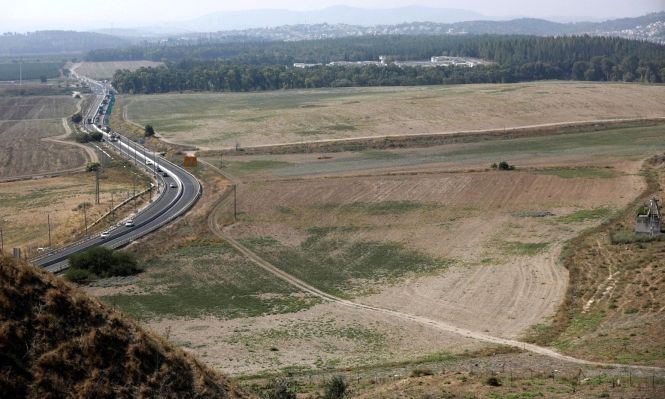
[{"x": 171, "y": 203}]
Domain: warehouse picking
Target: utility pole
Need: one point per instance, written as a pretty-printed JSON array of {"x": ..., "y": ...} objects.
[
  {"x": 48, "y": 221},
  {"x": 20, "y": 73},
  {"x": 85, "y": 220},
  {"x": 112, "y": 208},
  {"x": 221, "y": 159},
  {"x": 97, "y": 186},
  {"x": 2, "y": 242},
  {"x": 235, "y": 202}
]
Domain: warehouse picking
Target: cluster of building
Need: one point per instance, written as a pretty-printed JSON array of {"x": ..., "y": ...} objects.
[{"x": 438, "y": 61}]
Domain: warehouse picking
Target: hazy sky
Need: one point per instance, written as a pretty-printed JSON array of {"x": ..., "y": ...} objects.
[{"x": 21, "y": 15}]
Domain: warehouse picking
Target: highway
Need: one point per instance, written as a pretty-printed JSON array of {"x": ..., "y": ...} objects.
[{"x": 170, "y": 203}]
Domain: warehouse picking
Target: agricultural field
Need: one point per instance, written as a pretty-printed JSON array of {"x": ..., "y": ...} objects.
[
  {"x": 32, "y": 129},
  {"x": 105, "y": 70},
  {"x": 24, "y": 206},
  {"x": 431, "y": 232},
  {"x": 211, "y": 121},
  {"x": 29, "y": 70}
]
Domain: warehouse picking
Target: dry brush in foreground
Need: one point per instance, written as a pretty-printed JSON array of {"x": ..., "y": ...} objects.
[{"x": 55, "y": 341}]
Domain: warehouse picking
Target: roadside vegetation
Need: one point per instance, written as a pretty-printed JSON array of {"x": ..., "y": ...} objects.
[{"x": 100, "y": 262}]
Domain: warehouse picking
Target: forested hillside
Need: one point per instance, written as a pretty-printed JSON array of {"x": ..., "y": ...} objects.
[{"x": 265, "y": 66}]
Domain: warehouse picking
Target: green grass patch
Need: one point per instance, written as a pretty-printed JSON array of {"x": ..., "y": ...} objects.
[
  {"x": 208, "y": 278},
  {"x": 579, "y": 173},
  {"x": 376, "y": 208},
  {"x": 339, "y": 266},
  {"x": 517, "y": 248},
  {"x": 585, "y": 215}
]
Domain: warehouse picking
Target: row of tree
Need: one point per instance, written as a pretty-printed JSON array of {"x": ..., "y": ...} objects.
[
  {"x": 503, "y": 49},
  {"x": 516, "y": 59}
]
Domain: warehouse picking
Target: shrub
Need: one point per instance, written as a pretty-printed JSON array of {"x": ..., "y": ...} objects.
[
  {"x": 493, "y": 382},
  {"x": 149, "y": 131},
  {"x": 81, "y": 137},
  {"x": 421, "y": 372},
  {"x": 92, "y": 166},
  {"x": 336, "y": 388},
  {"x": 77, "y": 118},
  {"x": 104, "y": 262},
  {"x": 96, "y": 136},
  {"x": 78, "y": 275},
  {"x": 280, "y": 389},
  {"x": 503, "y": 165}
]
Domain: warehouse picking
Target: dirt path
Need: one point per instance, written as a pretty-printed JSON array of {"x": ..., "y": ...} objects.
[{"x": 436, "y": 324}]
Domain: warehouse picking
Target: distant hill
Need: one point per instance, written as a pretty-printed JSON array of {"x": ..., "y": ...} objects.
[
  {"x": 57, "y": 342},
  {"x": 332, "y": 15},
  {"x": 56, "y": 42},
  {"x": 649, "y": 27}
]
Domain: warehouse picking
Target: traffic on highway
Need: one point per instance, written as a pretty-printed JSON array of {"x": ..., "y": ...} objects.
[{"x": 177, "y": 189}]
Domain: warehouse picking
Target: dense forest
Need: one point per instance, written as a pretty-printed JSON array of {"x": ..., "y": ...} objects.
[{"x": 266, "y": 66}]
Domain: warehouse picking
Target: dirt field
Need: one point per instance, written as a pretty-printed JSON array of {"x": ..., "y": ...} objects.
[
  {"x": 26, "y": 123},
  {"x": 24, "y": 206},
  {"x": 105, "y": 70},
  {"x": 429, "y": 232},
  {"x": 211, "y": 121}
]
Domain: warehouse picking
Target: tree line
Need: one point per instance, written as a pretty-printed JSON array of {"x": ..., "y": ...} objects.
[{"x": 516, "y": 59}]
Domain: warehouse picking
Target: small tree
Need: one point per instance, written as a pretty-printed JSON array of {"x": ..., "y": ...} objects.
[
  {"x": 92, "y": 166},
  {"x": 96, "y": 136},
  {"x": 336, "y": 388},
  {"x": 149, "y": 131},
  {"x": 280, "y": 389},
  {"x": 77, "y": 117},
  {"x": 503, "y": 165}
]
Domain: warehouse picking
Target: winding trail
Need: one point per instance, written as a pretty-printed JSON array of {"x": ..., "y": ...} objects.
[{"x": 215, "y": 227}]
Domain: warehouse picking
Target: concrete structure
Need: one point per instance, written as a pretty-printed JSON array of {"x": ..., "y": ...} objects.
[{"x": 650, "y": 222}]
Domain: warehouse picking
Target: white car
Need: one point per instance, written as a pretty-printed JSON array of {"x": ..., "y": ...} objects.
[
  {"x": 148, "y": 162},
  {"x": 105, "y": 234},
  {"x": 129, "y": 223},
  {"x": 173, "y": 185}
]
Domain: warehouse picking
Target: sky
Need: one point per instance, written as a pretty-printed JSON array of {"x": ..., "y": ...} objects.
[{"x": 27, "y": 15}]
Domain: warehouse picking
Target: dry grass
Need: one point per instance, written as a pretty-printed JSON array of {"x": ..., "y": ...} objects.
[
  {"x": 614, "y": 307},
  {"x": 24, "y": 205},
  {"x": 57, "y": 342},
  {"x": 211, "y": 121}
]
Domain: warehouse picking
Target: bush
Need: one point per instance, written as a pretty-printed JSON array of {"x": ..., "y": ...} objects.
[
  {"x": 77, "y": 117},
  {"x": 419, "y": 372},
  {"x": 104, "y": 262},
  {"x": 92, "y": 166},
  {"x": 629, "y": 237},
  {"x": 78, "y": 275},
  {"x": 149, "y": 131},
  {"x": 336, "y": 388},
  {"x": 280, "y": 389},
  {"x": 96, "y": 136},
  {"x": 81, "y": 137},
  {"x": 503, "y": 165},
  {"x": 493, "y": 382}
]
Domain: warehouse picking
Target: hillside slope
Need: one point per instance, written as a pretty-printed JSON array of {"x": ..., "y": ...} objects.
[{"x": 57, "y": 342}]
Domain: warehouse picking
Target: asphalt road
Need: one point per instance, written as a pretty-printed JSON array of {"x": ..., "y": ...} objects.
[{"x": 171, "y": 202}]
